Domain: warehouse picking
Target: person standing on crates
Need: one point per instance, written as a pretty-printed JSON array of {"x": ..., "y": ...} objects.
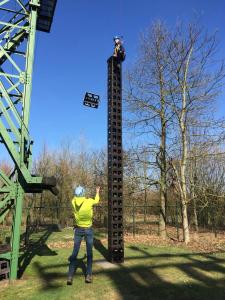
[
  {"x": 119, "y": 50},
  {"x": 83, "y": 213}
]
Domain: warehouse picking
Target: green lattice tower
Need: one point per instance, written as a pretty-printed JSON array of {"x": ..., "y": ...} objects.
[{"x": 19, "y": 21}]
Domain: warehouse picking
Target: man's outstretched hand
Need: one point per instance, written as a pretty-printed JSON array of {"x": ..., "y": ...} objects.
[{"x": 97, "y": 189}]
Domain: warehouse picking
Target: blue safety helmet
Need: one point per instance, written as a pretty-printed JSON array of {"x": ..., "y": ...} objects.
[{"x": 79, "y": 191}]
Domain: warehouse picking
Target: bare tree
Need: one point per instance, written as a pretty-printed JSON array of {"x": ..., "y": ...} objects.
[
  {"x": 196, "y": 81},
  {"x": 147, "y": 104},
  {"x": 173, "y": 88}
]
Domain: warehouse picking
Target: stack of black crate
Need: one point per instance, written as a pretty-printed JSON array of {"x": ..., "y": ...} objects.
[
  {"x": 4, "y": 269},
  {"x": 115, "y": 162}
]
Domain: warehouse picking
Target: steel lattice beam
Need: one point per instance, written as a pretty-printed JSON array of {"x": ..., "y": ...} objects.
[{"x": 17, "y": 43}]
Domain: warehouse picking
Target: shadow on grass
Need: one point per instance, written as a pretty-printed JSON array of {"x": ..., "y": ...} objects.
[
  {"x": 35, "y": 247},
  {"x": 143, "y": 282},
  {"x": 100, "y": 248},
  {"x": 150, "y": 276},
  {"x": 50, "y": 274}
]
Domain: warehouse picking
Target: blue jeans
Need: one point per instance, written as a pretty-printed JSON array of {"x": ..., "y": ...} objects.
[{"x": 79, "y": 234}]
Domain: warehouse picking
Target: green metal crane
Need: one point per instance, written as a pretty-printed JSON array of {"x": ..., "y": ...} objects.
[{"x": 17, "y": 43}]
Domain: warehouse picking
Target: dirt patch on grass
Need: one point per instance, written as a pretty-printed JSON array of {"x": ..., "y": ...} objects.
[
  {"x": 5, "y": 283},
  {"x": 60, "y": 245},
  {"x": 203, "y": 242}
]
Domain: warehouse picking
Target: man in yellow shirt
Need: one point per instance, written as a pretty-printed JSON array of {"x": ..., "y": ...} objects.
[{"x": 83, "y": 213}]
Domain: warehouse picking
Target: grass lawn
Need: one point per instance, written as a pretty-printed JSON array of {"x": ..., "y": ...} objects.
[{"x": 149, "y": 272}]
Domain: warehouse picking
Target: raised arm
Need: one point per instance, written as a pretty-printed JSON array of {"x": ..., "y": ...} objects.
[{"x": 96, "y": 200}]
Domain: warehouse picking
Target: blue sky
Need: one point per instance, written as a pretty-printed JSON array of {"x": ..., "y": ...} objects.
[{"x": 72, "y": 60}]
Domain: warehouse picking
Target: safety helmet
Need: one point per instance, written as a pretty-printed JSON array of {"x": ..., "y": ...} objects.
[
  {"x": 79, "y": 191},
  {"x": 116, "y": 37}
]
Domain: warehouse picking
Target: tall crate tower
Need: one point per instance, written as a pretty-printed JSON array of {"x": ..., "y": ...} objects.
[{"x": 115, "y": 162}]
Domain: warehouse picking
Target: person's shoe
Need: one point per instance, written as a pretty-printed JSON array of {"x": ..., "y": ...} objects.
[
  {"x": 69, "y": 281},
  {"x": 88, "y": 279}
]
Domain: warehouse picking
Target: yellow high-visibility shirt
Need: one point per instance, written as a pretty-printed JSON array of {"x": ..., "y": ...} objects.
[{"x": 83, "y": 210}]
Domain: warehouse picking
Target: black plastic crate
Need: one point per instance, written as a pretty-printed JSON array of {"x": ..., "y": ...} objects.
[{"x": 45, "y": 15}]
